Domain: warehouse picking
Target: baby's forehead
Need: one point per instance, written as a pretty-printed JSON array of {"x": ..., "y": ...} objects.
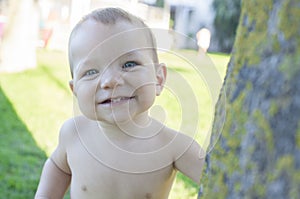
[
  {"x": 97, "y": 33},
  {"x": 95, "y": 37}
]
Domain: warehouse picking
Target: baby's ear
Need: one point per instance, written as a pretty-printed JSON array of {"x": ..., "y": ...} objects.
[
  {"x": 71, "y": 84},
  {"x": 161, "y": 75}
]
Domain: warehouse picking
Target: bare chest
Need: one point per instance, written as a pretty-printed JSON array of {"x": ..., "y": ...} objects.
[{"x": 111, "y": 173}]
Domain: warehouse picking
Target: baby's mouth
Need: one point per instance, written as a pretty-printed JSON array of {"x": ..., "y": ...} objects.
[{"x": 116, "y": 100}]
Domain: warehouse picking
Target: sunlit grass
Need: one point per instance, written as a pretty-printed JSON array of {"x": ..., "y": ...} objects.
[
  {"x": 21, "y": 159},
  {"x": 192, "y": 88},
  {"x": 191, "y": 81},
  {"x": 43, "y": 101},
  {"x": 41, "y": 98}
]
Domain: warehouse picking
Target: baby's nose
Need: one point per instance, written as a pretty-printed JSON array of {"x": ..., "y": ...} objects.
[{"x": 111, "y": 78}]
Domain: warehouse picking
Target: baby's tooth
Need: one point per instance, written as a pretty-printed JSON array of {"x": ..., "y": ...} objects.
[{"x": 116, "y": 100}]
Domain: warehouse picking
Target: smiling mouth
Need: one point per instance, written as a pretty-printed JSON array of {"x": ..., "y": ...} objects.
[{"x": 116, "y": 100}]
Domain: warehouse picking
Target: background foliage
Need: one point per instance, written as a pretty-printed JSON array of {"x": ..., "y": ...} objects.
[{"x": 226, "y": 22}]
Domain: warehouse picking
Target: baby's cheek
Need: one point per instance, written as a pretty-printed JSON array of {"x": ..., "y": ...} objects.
[
  {"x": 86, "y": 95},
  {"x": 147, "y": 94}
]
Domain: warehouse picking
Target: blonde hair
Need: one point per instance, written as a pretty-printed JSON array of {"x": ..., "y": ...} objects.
[{"x": 110, "y": 16}]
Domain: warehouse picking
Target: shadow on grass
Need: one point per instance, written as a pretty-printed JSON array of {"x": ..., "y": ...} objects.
[
  {"x": 57, "y": 81},
  {"x": 187, "y": 182},
  {"x": 21, "y": 159}
]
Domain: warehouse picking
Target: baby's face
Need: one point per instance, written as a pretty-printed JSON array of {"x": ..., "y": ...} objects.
[{"x": 115, "y": 79}]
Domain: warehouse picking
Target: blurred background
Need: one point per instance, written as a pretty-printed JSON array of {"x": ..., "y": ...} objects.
[
  {"x": 35, "y": 98},
  {"x": 34, "y": 95},
  {"x": 29, "y": 24}
]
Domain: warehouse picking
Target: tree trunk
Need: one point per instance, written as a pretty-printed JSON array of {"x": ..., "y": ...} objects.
[
  {"x": 18, "y": 49},
  {"x": 257, "y": 154}
]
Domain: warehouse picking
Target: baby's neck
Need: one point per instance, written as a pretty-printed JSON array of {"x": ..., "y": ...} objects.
[{"x": 142, "y": 129}]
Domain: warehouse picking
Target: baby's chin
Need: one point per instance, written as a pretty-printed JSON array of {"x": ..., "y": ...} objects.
[{"x": 113, "y": 120}]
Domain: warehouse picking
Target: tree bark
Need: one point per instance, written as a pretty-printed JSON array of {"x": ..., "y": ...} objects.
[{"x": 257, "y": 154}]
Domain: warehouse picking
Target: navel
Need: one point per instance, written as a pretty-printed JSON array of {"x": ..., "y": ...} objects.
[
  {"x": 148, "y": 196},
  {"x": 83, "y": 188}
]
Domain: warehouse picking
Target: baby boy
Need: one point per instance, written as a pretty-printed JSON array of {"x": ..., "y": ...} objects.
[{"x": 115, "y": 149}]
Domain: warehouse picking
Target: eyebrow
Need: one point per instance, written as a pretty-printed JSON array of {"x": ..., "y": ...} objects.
[{"x": 132, "y": 53}]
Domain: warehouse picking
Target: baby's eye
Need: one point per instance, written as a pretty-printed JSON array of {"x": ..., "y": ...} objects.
[
  {"x": 90, "y": 72},
  {"x": 129, "y": 64}
]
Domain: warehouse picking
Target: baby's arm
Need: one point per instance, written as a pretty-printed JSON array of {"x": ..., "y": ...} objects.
[
  {"x": 53, "y": 183},
  {"x": 56, "y": 175},
  {"x": 191, "y": 162}
]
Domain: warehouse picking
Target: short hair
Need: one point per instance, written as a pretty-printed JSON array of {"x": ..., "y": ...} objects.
[{"x": 110, "y": 16}]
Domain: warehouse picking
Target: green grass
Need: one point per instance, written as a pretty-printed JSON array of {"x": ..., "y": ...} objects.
[
  {"x": 21, "y": 158},
  {"x": 36, "y": 102},
  {"x": 187, "y": 98}
]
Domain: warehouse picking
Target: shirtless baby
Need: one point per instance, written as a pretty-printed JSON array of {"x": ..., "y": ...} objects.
[{"x": 115, "y": 150}]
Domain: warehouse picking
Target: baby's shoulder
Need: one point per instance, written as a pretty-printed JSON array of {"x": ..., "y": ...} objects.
[
  {"x": 71, "y": 126},
  {"x": 176, "y": 135},
  {"x": 178, "y": 140}
]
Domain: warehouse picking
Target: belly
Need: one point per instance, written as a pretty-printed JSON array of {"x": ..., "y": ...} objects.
[{"x": 110, "y": 184}]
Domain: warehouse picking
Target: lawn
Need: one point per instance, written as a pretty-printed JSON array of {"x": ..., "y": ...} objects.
[{"x": 36, "y": 102}]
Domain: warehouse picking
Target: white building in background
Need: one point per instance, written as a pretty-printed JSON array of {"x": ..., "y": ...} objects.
[{"x": 189, "y": 16}]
